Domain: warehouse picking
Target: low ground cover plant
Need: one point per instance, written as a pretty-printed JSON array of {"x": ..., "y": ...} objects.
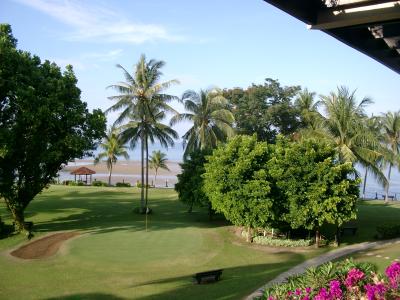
[
  {"x": 277, "y": 242},
  {"x": 343, "y": 280}
]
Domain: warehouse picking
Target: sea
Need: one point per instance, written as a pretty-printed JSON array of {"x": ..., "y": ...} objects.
[{"x": 374, "y": 190}]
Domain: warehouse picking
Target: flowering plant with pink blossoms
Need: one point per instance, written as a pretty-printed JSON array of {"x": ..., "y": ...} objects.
[{"x": 340, "y": 281}]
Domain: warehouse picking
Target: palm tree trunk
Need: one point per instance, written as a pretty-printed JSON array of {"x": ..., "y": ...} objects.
[
  {"x": 147, "y": 170},
  {"x": 387, "y": 186},
  {"x": 109, "y": 175},
  {"x": 155, "y": 177},
  {"x": 365, "y": 182},
  {"x": 142, "y": 182}
]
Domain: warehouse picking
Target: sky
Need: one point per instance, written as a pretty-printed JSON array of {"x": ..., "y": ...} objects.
[{"x": 204, "y": 43}]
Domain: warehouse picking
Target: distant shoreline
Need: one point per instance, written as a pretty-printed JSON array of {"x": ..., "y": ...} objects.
[{"x": 123, "y": 171}]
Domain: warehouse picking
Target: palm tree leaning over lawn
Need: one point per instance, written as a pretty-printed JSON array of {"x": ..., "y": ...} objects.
[
  {"x": 158, "y": 160},
  {"x": 113, "y": 146},
  {"x": 391, "y": 131},
  {"x": 212, "y": 121},
  {"x": 140, "y": 97}
]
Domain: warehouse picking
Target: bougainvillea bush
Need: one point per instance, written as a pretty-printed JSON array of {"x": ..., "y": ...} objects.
[{"x": 340, "y": 281}]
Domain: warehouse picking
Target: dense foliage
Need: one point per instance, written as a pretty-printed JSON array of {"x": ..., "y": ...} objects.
[
  {"x": 388, "y": 231},
  {"x": 297, "y": 183},
  {"x": 266, "y": 109},
  {"x": 43, "y": 124},
  {"x": 239, "y": 185},
  {"x": 190, "y": 182},
  {"x": 340, "y": 281},
  {"x": 318, "y": 189}
]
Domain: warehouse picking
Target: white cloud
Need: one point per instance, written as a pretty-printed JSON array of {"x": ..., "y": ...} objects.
[
  {"x": 96, "y": 23},
  {"x": 106, "y": 56},
  {"x": 88, "y": 60}
]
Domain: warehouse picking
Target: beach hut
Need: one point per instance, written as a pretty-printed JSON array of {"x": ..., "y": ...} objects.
[{"x": 83, "y": 171}]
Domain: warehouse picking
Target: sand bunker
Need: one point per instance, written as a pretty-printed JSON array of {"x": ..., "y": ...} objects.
[{"x": 43, "y": 247}]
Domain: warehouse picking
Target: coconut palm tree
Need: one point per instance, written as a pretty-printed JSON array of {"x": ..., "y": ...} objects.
[
  {"x": 113, "y": 146},
  {"x": 212, "y": 121},
  {"x": 390, "y": 122},
  {"x": 151, "y": 130},
  {"x": 308, "y": 108},
  {"x": 140, "y": 97},
  {"x": 158, "y": 160},
  {"x": 344, "y": 125}
]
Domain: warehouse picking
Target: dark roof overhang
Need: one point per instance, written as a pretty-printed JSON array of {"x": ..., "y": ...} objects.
[{"x": 370, "y": 26}]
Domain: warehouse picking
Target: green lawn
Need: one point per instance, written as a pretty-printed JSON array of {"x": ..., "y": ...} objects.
[
  {"x": 116, "y": 258},
  {"x": 382, "y": 257},
  {"x": 370, "y": 214}
]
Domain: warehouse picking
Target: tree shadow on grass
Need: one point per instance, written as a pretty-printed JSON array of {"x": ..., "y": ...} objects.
[
  {"x": 108, "y": 211},
  {"x": 235, "y": 283},
  {"x": 88, "y": 296}
]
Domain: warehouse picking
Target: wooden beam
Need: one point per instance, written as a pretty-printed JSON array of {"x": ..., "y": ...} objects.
[{"x": 328, "y": 20}]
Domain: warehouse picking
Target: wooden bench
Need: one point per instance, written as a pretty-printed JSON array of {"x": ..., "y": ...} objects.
[
  {"x": 209, "y": 276},
  {"x": 352, "y": 228}
]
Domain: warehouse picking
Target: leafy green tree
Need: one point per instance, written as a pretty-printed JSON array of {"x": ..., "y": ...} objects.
[
  {"x": 317, "y": 187},
  {"x": 211, "y": 118},
  {"x": 43, "y": 124},
  {"x": 190, "y": 182},
  {"x": 391, "y": 134},
  {"x": 238, "y": 184},
  {"x": 113, "y": 146},
  {"x": 143, "y": 102},
  {"x": 265, "y": 109},
  {"x": 158, "y": 160}
]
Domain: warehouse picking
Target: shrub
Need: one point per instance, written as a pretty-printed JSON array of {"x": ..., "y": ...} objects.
[
  {"x": 80, "y": 183},
  {"x": 99, "y": 183},
  {"x": 340, "y": 280},
  {"x": 123, "y": 184},
  {"x": 1, "y": 226},
  {"x": 277, "y": 242},
  {"x": 388, "y": 231},
  {"x": 139, "y": 185}
]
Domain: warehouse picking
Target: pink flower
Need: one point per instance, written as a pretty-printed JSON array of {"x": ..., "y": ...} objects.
[
  {"x": 375, "y": 291},
  {"x": 322, "y": 295},
  {"x": 353, "y": 277},
  {"x": 335, "y": 291},
  {"x": 298, "y": 292},
  {"x": 308, "y": 290},
  {"x": 393, "y": 274}
]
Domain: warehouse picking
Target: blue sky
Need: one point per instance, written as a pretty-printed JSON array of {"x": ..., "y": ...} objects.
[{"x": 204, "y": 43}]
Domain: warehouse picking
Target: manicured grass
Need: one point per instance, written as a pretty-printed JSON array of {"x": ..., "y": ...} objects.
[
  {"x": 116, "y": 258},
  {"x": 382, "y": 257},
  {"x": 371, "y": 214}
]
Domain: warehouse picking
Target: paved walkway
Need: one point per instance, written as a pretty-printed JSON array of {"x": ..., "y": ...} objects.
[{"x": 319, "y": 260}]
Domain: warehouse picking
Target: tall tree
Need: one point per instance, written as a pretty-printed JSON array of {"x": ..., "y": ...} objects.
[
  {"x": 345, "y": 126},
  {"x": 158, "y": 160},
  {"x": 141, "y": 97},
  {"x": 266, "y": 109},
  {"x": 43, "y": 124},
  {"x": 308, "y": 109},
  {"x": 113, "y": 146},
  {"x": 391, "y": 130},
  {"x": 211, "y": 118}
]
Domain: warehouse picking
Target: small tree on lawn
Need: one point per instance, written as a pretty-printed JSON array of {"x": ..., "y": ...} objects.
[
  {"x": 190, "y": 182},
  {"x": 158, "y": 160},
  {"x": 318, "y": 188},
  {"x": 43, "y": 124},
  {"x": 239, "y": 186}
]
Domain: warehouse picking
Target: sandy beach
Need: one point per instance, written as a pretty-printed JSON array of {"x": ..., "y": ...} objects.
[{"x": 123, "y": 171}]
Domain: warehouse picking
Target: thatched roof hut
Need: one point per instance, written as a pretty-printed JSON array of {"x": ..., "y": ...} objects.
[{"x": 83, "y": 171}]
